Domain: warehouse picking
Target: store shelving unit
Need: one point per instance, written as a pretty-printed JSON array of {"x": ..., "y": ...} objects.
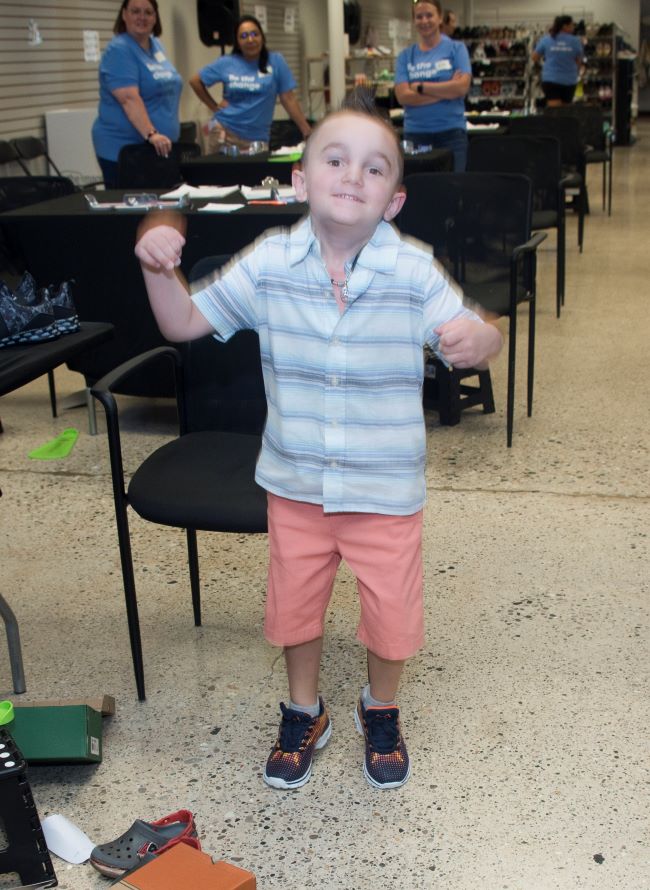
[
  {"x": 373, "y": 69},
  {"x": 501, "y": 69}
]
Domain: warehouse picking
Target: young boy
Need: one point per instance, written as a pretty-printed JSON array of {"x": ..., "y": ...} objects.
[{"x": 343, "y": 308}]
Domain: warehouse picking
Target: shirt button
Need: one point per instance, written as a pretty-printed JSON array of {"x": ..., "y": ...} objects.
[
  {"x": 335, "y": 381},
  {"x": 334, "y": 422},
  {"x": 333, "y": 464},
  {"x": 335, "y": 341}
]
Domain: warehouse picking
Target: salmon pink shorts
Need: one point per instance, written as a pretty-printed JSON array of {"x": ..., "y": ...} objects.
[{"x": 384, "y": 553}]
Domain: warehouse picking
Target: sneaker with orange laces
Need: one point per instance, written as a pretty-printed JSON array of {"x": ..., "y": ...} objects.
[
  {"x": 386, "y": 764},
  {"x": 289, "y": 763}
]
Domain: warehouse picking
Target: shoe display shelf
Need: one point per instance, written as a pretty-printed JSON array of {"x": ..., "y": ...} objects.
[
  {"x": 610, "y": 77},
  {"x": 501, "y": 68},
  {"x": 367, "y": 67}
]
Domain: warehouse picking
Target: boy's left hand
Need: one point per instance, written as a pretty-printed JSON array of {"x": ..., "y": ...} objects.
[{"x": 466, "y": 343}]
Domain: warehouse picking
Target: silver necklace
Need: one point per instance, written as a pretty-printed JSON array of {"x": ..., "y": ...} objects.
[{"x": 342, "y": 286}]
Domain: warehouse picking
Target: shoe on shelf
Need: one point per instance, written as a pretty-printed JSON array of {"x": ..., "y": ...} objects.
[
  {"x": 289, "y": 763},
  {"x": 142, "y": 842},
  {"x": 386, "y": 763}
]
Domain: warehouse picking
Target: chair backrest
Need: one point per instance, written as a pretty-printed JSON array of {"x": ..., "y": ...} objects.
[
  {"x": 31, "y": 147},
  {"x": 224, "y": 386},
  {"x": 8, "y": 153},
  {"x": 189, "y": 132},
  {"x": 21, "y": 191},
  {"x": 140, "y": 167},
  {"x": 473, "y": 221},
  {"x": 284, "y": 133},
  {"x": 536, "y": 157},
  {"x": 565, "y": 129},
  {"x": 188, "y": 150},
  {"x": 591, "y": 120}
]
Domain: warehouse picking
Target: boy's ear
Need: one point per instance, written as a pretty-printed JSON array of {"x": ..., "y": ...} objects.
[
  {"x": 298, "y": 182},
  {"x": 395, "y": 205}
]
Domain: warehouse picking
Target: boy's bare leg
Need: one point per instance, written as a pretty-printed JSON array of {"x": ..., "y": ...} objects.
[
  {"x": 384, "y": 677},
  {"x": 303, "y": 670}
]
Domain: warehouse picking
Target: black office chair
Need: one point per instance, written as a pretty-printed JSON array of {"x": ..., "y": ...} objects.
[
  {"x": 480, "y": 228},
  {"x": 538, "y": 158},
  {"x": 204, "y": 479},
  {"x": 30, "y": 148},
  {"x": 598, "y": 138},
  {"x": 140, "y": 167},
  {"x": 573, "y": 152},
  {"x": 9, "y": 155}
]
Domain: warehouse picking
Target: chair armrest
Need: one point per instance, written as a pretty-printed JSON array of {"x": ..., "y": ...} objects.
[
  {"x": 102, "y": 391},
  {"x": 530, "y": 245},
  {"x": 109, "y": 381},
  {"x": 524, "y": 253}
]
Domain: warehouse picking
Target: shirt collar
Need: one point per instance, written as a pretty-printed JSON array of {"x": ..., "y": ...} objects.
[{"x": 379, "y": 254}]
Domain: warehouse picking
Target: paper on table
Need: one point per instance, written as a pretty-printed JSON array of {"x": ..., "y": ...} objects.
[
  {"x": 202, "y": 191},
  {"x": 251, "y": 192},
  {"x": 220, "y": 208},
  {"x": 286, "y": 192},
  {"x": 66, "y": 840},
  {"x": 288, "y": 150}
]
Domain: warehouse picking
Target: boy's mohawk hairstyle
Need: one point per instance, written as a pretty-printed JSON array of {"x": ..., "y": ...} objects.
[{"x": 362, "y": 100}]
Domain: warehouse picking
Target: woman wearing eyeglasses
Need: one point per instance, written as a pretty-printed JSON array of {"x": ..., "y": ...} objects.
[
  {"x": 252, "y": 78},
  {"x": 139, "y": 89}
]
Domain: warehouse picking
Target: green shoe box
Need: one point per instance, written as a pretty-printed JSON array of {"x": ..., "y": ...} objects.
[{"x": 61, "y": 734}]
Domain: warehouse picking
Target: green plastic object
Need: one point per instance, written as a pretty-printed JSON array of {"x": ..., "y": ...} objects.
[
  {"x": 58, "y": 448},
  {"x": 6, "y": 713},
  {"x": 286, "y": 159}
]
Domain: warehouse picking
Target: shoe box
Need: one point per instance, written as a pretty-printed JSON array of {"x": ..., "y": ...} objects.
[
  {"x": 183, "y": 866},
  {"x": 58, "y": 734}
]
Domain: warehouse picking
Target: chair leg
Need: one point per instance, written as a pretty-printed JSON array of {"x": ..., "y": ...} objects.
[
  {"x": 510, "y": 406},
  {"x": 582, "y": 210},
  {"x": 609, "y": 196},
  {"x": 195, "y": 584},
  {"x": 487, "y": 395},
  {"x": 561, "y": 256},
  {"x": 448, "y": 396},
  {"x": 13, "y": 641},
  {"x": 52, "y": 388},
  {"x": 130, "y": 595},
  {"x": 92, "y": 414},
  {"x": 604, "y": 182},
  {"x": 532, "y": 311}
]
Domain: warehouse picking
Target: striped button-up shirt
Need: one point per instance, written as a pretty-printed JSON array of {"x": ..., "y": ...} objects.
[{"x": 345, "y": 425}]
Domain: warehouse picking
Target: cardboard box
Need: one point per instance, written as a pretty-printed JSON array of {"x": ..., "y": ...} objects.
[
  {"x": 69, "y": 734},
  {"x": 183, "y": 867},
  {"x": 105, "y": 704}
]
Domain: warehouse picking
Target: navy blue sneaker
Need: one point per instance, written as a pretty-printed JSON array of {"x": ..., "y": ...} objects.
[
  {"x": 386, "y": 764},
  {"x": 58, "y": 301},
  {"x": 24, "y": 324},
  {"x": 289, "y": 763}
]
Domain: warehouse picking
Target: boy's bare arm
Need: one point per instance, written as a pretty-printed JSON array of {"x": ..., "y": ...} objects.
[
  {"x": 467, "y": 343},
  {"x": 160, "y": 243}
]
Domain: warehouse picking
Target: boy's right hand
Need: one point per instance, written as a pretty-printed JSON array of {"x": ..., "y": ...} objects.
[{"x": 160, "y": 242}]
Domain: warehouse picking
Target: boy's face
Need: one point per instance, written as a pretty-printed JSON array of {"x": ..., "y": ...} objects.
[{"x": 350, "y": 176}]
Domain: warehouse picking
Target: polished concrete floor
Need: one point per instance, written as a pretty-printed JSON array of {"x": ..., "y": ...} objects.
[{"x": 526, "y": 714}]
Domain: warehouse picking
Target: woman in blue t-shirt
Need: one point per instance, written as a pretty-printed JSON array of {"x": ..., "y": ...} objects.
[
  {"x": 562, "y": 53},
  {"x": 252, "y": 79},
  {"x": 139, "y": 89},
  {"x": 432, "y": 78}
]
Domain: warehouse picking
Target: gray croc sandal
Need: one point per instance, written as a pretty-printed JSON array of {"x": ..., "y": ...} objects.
[{"x": 142, "y": 842}]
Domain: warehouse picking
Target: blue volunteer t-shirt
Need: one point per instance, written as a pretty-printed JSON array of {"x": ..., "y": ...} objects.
[
  {"x": 435, "y": 65},
  {"x": 125, "y": 64},
  {"x": 560, "y": 54},
  {"x": 250, "y": 94}
]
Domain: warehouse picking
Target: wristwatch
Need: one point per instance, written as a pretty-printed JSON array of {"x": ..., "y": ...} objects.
[
  {"x": 420, "y": 88},
  {"x": 150, "y": 134}
]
